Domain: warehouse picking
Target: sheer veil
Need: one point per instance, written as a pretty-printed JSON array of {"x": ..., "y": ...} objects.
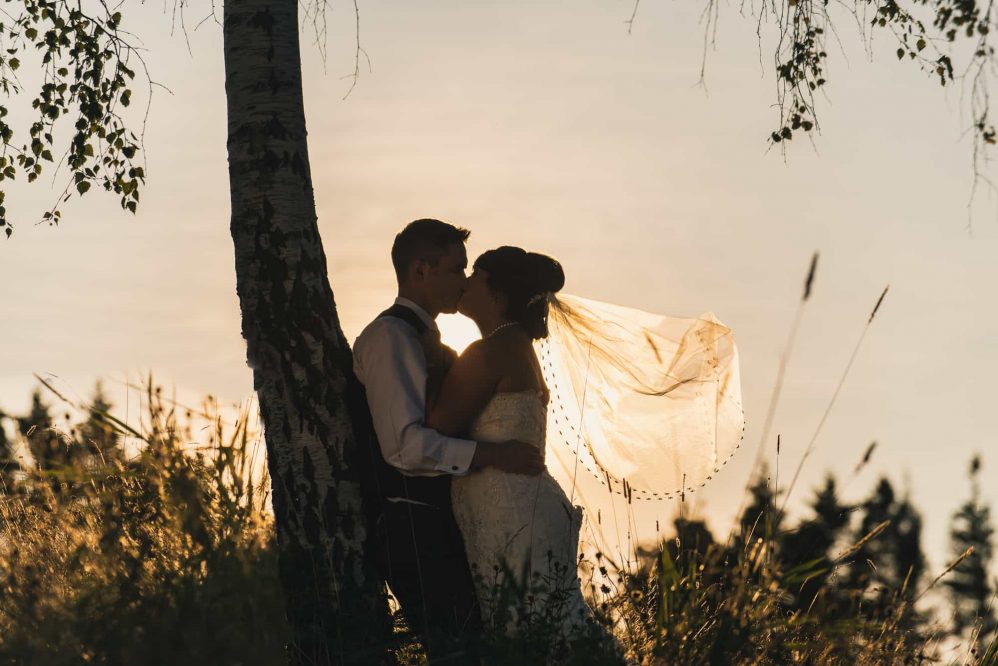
[{"x": 647, "y": 404}]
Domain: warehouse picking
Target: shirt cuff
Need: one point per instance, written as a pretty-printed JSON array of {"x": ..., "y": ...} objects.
[{"x": 457, "y": 455}]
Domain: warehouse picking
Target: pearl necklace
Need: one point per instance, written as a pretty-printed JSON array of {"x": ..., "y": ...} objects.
[{"x": 500, "y": 327}]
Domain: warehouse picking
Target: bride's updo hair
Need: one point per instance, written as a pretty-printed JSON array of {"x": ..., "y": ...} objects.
[{"x": 526, "y": 279}]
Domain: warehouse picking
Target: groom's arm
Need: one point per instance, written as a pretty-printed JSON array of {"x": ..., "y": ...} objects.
[
  {"x": 390, "y": 363},
  {"x": 469, "y": 385}
]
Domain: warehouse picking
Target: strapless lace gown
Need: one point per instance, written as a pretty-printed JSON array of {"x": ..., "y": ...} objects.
[{"x": 519, "y": 526}]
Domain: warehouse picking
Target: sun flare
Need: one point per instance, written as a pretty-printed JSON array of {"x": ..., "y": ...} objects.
[{"x": 457, "y": 331}]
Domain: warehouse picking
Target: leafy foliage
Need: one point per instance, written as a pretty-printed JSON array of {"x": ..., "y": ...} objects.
[
  {"x": 87, "y": 82},
  {"x": 933, "y": 34}
]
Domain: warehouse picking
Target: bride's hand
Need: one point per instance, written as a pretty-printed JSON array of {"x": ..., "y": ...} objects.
[{"x": 511, "y": 456}]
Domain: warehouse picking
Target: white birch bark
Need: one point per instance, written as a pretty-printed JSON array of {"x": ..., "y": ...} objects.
[{"x": 294, "y": 342}]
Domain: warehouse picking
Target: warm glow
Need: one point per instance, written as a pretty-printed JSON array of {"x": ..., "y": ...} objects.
[
  {"x": 457, "y": 331},
  {"x": 588, "y": 142}
]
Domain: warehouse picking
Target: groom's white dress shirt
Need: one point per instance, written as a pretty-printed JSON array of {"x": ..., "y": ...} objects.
[{"x": 389, "y": 360}]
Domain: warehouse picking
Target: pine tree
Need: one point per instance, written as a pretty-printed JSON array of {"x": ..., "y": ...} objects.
[
  {"x": 808, "y": 548},
  {"x": 54, "y": 456},
  {"x": 814, "y": 537},
  {"x": 688, "y": 549},
  {"x": 971, "y": 591},
  {"x": 889, "y": 567},
  {"x": 8, "y": 464},
  {"x": 97, "y": 436},
  {"x": 761, "y": 518},
  {"x": 36, "y": 427}
]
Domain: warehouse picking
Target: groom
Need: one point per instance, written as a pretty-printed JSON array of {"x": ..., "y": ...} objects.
[{"x": 401, "y": 363}]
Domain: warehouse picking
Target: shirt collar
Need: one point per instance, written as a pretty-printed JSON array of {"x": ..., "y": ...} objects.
[{"x": 420, "y": 312}]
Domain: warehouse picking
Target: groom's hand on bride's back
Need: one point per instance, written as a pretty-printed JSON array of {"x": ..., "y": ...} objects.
[{"x": 511, "y": 456}]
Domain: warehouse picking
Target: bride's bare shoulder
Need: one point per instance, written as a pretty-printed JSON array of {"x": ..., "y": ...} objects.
[
  {"x": 483, "y": 354},
  {"x": 512, "y": 356}
]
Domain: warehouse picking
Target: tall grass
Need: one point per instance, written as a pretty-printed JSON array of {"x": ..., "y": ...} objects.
[{"x": 168, "y": 558}]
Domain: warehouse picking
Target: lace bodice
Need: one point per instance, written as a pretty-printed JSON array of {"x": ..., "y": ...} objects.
[
  {"x": 517, "y": 524},
  {"x": 518, "y": 415}
]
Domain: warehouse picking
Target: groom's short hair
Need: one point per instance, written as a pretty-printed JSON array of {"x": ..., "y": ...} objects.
[{"x": 425, "y": 240}]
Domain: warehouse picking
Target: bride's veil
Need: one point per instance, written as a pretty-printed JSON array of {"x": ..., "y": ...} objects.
[{"x": 649, "y": 405}]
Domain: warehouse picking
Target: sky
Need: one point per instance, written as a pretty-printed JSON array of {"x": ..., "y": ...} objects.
[{"x": 548, "y": 125}]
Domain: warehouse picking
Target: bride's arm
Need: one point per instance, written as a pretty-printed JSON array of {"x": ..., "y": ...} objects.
[{"x": 467, "y": 387}]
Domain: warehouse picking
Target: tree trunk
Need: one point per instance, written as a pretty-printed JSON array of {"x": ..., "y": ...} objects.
[{"x": 301, "y": 362}]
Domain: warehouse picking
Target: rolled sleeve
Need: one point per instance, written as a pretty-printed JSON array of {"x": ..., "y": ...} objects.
[
  {"x": 447, "y": 455},
  {"x": 390, "y": 363}
]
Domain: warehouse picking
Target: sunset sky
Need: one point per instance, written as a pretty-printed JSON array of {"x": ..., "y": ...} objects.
[{"x": 547, "y": 125}]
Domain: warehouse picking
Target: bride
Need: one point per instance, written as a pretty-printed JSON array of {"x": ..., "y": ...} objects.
[
  {"x": 657, "y": 405},
  {"x": 521, "y": 533}
]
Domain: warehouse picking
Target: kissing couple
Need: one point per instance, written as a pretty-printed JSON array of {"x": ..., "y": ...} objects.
[
  {"x": 465, "y": 498},
  {"x": 472, "y": 533}
]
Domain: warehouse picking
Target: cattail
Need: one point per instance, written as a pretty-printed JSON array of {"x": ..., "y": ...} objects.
[
  {"x": 866, "y": 457},
  {"x": 879, "y": 301},
  {"x": 810, "y": 277}
]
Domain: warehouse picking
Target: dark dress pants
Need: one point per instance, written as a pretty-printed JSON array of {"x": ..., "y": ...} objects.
[{"x": 423, "y": 559}]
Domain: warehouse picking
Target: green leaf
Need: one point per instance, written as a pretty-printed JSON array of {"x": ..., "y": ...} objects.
[
  {"x": 83, "y": 186},
  {"x": 900, "y": 53}
]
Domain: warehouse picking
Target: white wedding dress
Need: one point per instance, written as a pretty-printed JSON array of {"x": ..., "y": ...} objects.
[{"x": 519, "y": 530}]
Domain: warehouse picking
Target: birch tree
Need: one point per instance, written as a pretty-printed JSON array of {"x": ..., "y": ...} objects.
[{"x": 300, "y": 359}]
